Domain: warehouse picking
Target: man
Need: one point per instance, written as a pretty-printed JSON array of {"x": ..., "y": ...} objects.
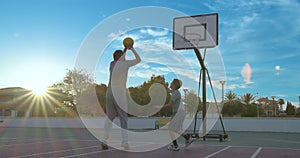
[{"x": 116, "y": 100}]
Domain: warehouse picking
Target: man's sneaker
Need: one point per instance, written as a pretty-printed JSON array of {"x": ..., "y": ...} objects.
[
  {"x": 104, "y": 146},
  {"x": 173, "y": 148},
  {"x": 188, "y": 142},
  {"x": 125, "y": 146}
]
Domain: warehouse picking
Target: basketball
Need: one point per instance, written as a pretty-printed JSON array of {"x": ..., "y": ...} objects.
[{"x": 128, "y": 42}]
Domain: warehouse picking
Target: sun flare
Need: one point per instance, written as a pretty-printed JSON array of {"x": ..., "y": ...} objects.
[{"x": 39, "y": 91}]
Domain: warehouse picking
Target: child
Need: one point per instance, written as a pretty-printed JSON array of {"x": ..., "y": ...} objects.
[{"x": 178, "y": 115}]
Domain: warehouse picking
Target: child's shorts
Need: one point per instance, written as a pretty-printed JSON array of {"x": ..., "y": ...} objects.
[{"x": 177, "y": 121}]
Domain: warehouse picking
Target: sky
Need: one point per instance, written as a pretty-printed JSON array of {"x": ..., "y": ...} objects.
[{"x": 258, "y": 50}]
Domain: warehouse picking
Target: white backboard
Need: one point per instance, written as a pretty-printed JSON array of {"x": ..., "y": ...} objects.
[{"x": 200, "y": 31}]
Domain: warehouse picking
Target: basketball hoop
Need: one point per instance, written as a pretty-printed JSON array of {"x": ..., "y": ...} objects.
[{"x": 194, "y": 32}]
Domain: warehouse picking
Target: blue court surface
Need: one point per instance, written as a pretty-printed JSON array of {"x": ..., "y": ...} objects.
[{"x": 71, "y": 142}]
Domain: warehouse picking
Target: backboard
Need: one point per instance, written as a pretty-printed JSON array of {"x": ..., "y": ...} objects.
[{"x": 200, "y": 31}]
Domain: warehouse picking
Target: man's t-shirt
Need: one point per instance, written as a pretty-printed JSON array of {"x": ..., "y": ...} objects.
[{"x": 119, "y": 73}]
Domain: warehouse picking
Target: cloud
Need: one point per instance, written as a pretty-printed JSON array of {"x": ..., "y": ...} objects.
[
  {"x": 114, "y": 35},
  {"x": 280, "y": 95},
  {"x": 128, "y": 19},
  {"x": 295, "y": 103},
  {"x": 159, "y": 45},
  {"x": 233, "y": 78},
  {"x": 246, "y": 20},
  {"x": 186, "y": 73},
  {"x": 120, "y": 35},
  {"x": 146, "y": 70},
  {"x": 145, "y": 74},
  {"x": 154, "y": 33},
  {"x": 279, "y": 2},
  {"x": 246, "y": 73},
  {"x": 236, "y": 86},
  {"x": 210, "y": 7},
  {"x": 243, "y": 26}
]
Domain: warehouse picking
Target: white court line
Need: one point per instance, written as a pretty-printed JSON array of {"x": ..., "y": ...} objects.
[
  {"x": 42, "y": 141},
  {"x": 89, "y": 153},
  {"x": 27, "y": 143},
  {"x": 215, "y": 153},
  {"x": 58, "y": 151},
  {"x": 256, "y": 153},
  {"x": 78, "y": 140},
  {"x": 101, "y": 151},
  {"x": 249, "y": 146},
  {"x": 7, "y": 138}
]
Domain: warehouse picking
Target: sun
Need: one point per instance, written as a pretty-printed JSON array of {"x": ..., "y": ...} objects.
[
  {"x": 38, "y": 88},
  {"x": 39, "y": 91}
]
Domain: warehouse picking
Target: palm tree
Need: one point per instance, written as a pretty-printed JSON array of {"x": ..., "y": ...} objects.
[
  {"x": 281, "y": 102},
  {"x": 247, "y": 99},
  {"x": 230, "y": 96},
  {"x": 249, "y": 110},
  {"x": 231, "y": 106}
]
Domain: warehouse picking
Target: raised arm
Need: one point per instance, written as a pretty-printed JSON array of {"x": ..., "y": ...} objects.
[{"x": 136, "y": 55}]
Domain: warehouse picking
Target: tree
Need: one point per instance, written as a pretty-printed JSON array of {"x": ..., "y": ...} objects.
[
  {"x": 298, "y": 112},
  {"x": 250, "y": 109},
  {"x": 230, "y": 96},
  {"x": 75, "y": 83},
  {"x": 247, "y": 99},
  {"x": 87, "y": 102},
  {"x": 191, "y": 101},
  {"x": 101, "y": 95},
  {"x": 58, "y": 99},
  {"x": 232, "y": 106},
  {"x": 290, "y": 109},
  {"x": 281, "y": 102},
  {"x": 140, "y": 94}
]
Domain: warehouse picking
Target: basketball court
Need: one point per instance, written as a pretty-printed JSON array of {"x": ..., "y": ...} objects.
[
  {"x": 189, "y": 33},
  {"x": 68, "y": 142}
]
